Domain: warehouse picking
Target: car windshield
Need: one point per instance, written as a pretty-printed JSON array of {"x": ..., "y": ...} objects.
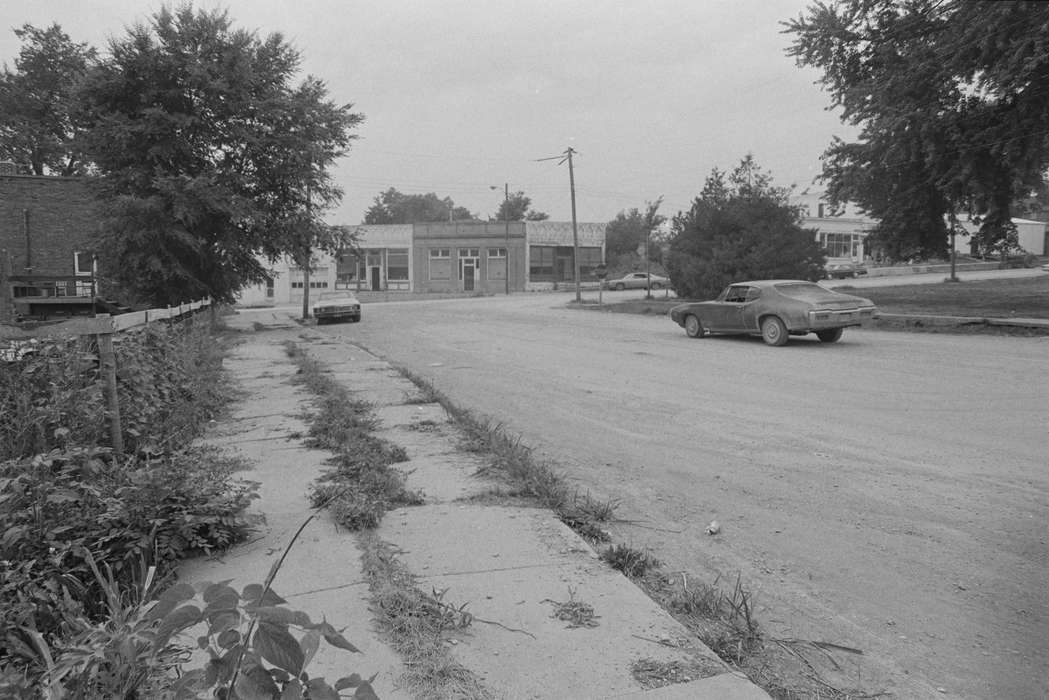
[{"x": 804, "y": 291}]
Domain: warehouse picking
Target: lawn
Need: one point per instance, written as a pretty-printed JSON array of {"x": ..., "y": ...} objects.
[{"x": 1027, "y": 297}]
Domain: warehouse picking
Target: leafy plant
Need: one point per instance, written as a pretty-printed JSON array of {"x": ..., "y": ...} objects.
[{"x": 61, "y": 511}]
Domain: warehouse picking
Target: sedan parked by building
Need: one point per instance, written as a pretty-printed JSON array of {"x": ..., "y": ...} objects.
[
  {"x": 337, "y": 309},
  {"x": 639, "y": 280},
  {"x": 775, "y": 310}
]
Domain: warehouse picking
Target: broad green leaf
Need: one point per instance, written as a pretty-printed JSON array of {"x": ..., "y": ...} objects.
[
  {"x": 254, "y": 683},
  {"x": 351, "y": 681},
  {"x": 218, "y": 589},
  {"x": 279, "y": 647},
  {"x": 292, "y": 691},
  {"x": 365, "y": 691},
  {"x": 176, "y": 621},
  {"x": 310, "y": 643},
  {"x": 169, "y": 599},
  {"x": 279, "y": 616},
  {"x": 320, "y": 690},
  {"x": 228, "y": 638},
  {"x": 337, "y": 640},
  {"x": 223, "y": 620}
]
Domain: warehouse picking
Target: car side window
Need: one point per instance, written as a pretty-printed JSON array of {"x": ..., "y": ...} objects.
[
  {"x": 736, "y": 294},
  {"x": 752, "y": 293}
]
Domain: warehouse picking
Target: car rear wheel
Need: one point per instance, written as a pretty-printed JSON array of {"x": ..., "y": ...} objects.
[
  {"x": 620, "y": 287},
  {"x": 693, "y": 327},
  {"x": 657, "y": 285},
  {"x": 773, "y": 332},
  {"x": 831, "y": 335}
]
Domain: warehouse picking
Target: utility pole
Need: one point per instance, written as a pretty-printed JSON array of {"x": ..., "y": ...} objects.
[
  {"x": 575, "y": 233},
  {"x": 308, "y": 252},
  {"x": 506, "y": 220},
  {"x": 567, "y": 156}
]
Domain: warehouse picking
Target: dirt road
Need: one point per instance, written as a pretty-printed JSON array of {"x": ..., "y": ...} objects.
[{"x": 889, "y": 493}]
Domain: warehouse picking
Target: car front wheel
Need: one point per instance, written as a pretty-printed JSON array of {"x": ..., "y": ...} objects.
[
  {"x": 773, "y": 332},
  {"x": 620, "y": 287},
  {"x": 693, "y": 328},
  {"x": 831, "y": 335}
]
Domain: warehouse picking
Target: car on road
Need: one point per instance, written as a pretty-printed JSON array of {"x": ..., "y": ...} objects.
[
  {"x": 775, "y": 310},
  {"x": 842, "y": 268},
  {"x": 638, "y": 280},
  {"x": 345, "y": 307}
]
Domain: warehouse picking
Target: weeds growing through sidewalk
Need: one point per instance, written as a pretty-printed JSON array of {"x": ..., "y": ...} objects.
[
  {"x": 419, "y": 626},
  {"x": 360, "y": 486},
  {"x": 575, "y": 612},
  {"x": 634, "y": 563}
]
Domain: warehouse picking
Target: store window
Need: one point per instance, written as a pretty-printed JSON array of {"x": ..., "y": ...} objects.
[
  {"x": 440, "y": 263},
  {"x": 541, "y": 263},
  {"x": 397, "y": 264},
  {"x": 496, "y": 263}
]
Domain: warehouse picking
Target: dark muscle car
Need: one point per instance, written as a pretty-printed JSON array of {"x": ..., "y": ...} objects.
[{"x": 775, "y": 310}]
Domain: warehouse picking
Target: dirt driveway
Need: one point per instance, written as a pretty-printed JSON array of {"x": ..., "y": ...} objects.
[{"x": 888, "y": 493}]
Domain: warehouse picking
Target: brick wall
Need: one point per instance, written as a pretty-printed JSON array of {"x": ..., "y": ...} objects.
[{"x": 59, "y": 215}]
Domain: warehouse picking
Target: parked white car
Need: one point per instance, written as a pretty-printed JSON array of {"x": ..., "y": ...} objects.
[
  {"x": 337, "y": 308},
  {"x": 639, "y": 280}
]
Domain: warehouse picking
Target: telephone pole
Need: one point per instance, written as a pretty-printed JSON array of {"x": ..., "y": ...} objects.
[
  {"x": 575, "y": 233},
  {"x": 567, "y": 156}
]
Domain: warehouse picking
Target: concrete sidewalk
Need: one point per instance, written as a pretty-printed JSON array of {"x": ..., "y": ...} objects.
[{"x": 509, "y": 565}]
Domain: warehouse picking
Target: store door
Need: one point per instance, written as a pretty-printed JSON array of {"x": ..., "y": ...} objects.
[
  {"x": 376, "y": 275},
  {"x": 468, "y": 276}
]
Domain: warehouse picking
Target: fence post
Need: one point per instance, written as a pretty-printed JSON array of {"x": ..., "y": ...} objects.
[{"x": 108, "y": 361}]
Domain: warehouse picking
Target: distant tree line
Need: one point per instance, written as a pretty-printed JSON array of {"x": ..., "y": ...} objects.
[{"x": 394, "y": 207}]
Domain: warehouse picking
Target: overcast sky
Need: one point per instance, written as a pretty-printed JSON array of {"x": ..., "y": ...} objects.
[{"x": 463, "y": 95}]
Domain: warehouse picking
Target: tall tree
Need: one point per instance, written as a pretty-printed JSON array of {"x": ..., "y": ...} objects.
[
  {"x": 626, "y": 233},
  {"x": 517, "y": 207},
  {"x": 393, "y": 207},
  {"x": 38, "y": 124},
  {"x": 740, "y": 227},
  {"x": 952, "y": 98},
  {"x": 209, "y": 156}
]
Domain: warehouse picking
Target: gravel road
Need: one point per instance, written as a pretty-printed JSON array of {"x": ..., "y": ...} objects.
[{"x": 889, "y": 492}]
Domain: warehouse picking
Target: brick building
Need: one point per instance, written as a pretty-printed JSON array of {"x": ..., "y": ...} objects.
[{"x": 46, "y": 264}]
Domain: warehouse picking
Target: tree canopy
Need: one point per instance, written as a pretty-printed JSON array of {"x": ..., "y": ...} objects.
[
  {"x": 209, "y": 155},
  {"x": 394, "y": 207},
  {"x": 952, "y": 98},
  {"x": 38, "y": 123},
  {"x": 626, "y": 233},
  {"x": 518, "y": 207},
  {"x": 740, "y": 227}
]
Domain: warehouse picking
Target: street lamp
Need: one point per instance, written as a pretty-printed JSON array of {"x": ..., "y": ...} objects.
[{"x": 506, "y": 219}]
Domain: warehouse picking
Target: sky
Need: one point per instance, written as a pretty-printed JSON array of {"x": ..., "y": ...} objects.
[{"x": 464, "y": 97}]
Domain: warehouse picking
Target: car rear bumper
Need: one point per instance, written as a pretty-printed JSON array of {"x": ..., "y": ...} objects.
[{"x": 839, "y": 318}]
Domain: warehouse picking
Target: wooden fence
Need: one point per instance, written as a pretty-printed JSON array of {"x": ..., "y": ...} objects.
[{"x": 104, "y": 327}]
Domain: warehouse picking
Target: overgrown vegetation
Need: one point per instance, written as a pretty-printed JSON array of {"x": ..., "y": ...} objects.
[
  {"x": 360, "y": 486},
  {"x": 86, "y": 532},
  {"x": 418, "y": 626}
]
